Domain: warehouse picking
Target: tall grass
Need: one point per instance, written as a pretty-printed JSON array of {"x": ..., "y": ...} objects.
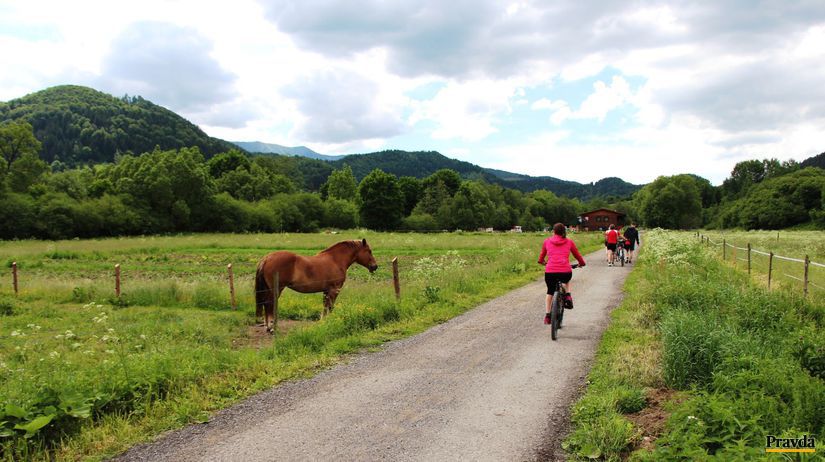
[
  {"x": 748, "y": 362},
  {"x": 85, "y": 375}
]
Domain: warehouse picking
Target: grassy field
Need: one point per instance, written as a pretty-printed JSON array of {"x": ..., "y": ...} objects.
[
  {"x": 792, "y": 244},
  {"x": 84, "y": 375},
  {"x": 702, "y": 363}
]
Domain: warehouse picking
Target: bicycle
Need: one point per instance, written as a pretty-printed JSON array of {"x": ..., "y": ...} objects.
[
  {"x": 557, "y": 308},
  {"x": 620, "y": 254}
]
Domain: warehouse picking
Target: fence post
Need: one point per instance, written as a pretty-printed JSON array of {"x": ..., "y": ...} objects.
[
  {"x": 805, "y": 278},
  {"x": 734, "y": 256},
  {"x": 231, "y": 287},
  {"x": 14, "y": 276},
  {"x": 749, "y": 258},
  {"x": 724, "y": 250},
  {"x": 117, "y": 280},
  {"x": 276, "y": 290},
  {"x": 395, "y": 282},
  {"x": 770, "y": 269}
]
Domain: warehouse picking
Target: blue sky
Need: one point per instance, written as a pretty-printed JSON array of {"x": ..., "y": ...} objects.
[{"x": 579, "y": 90}]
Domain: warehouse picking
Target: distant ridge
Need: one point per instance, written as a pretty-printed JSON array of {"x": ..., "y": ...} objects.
[
  {"x": 271, "y": 148},
  {"x": 424, "y": 163},
  {"x": 815, "y": 161}
]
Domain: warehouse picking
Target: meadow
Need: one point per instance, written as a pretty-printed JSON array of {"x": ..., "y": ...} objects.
[
  {"x": 795, "y": 245},
  {"x": 84, "y": 374},
  {"x": 702, "y": 362}
]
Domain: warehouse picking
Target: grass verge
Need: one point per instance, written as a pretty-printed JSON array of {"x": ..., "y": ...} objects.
[{"x": 701, "y": 364}]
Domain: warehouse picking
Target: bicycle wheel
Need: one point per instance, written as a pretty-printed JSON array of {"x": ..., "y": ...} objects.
[
  {"x": 621, "y": 257},
  {"x": 555, "y": 314}
]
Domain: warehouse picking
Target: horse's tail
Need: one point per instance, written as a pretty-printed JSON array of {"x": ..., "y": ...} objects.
[{"x": 263, "y": 293}]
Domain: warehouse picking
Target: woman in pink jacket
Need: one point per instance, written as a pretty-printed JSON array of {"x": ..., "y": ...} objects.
[{"x": 557, "y": 249}]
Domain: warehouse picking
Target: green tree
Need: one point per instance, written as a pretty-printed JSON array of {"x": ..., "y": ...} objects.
[
  {"x": 671, "y": 202},
  {"x": 25, "y": 171},
  {"x": 450, "y": 178},
  {"x": 17, "y": 139},
  {"x": 341, "y": 214},
  {"x": 173, "y": 189},
  {"x": 411, "y": 189},
  {"x": 341, "y": 184},
  {"x": 381, "y": 203},
  {"x": 227, "y": 162}
]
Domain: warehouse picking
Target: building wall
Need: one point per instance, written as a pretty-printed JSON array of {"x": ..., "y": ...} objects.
[{"x": 600, "y": 220}]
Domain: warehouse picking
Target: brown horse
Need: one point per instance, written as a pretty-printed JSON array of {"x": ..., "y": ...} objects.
[{"x": 325, "y": 272}]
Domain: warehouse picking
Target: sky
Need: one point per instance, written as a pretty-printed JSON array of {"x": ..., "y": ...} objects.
[{"x": 575, "y": 89}]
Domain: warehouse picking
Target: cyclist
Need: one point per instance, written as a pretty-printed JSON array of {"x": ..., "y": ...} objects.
[
  {"x": 557, "y": 249},
  {"x": 611, "y": 238},
  {"x": 631, "y": 234}
]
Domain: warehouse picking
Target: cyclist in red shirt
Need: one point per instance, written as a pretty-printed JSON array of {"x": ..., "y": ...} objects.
[
  {"x": 557, "y": 249},
  {"x": 611, "y": 238}
]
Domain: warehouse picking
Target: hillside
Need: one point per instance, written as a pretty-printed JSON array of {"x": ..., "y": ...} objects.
[
  {"x": 79, "y": 125},
  {"x": 815, "y": 161},
  {"x": 423, "y": 164},
  {"x": 271, "y": 148}
]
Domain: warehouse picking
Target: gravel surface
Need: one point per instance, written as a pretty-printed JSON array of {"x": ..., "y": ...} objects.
[{"x": 487, "y": 385}]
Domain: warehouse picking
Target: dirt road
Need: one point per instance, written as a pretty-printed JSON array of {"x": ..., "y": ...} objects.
[{"x": 487, "y": 385}]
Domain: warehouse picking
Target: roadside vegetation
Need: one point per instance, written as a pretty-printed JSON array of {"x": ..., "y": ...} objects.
[
  {"x": 701, "y": 363},
  {"x": 85, "y": 375}
]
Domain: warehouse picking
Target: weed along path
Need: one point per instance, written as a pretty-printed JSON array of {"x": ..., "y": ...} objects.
[{"x": 487, "y": 385}]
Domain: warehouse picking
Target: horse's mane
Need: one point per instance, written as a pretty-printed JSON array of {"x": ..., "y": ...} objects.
[{"x": 352, "y": 244}]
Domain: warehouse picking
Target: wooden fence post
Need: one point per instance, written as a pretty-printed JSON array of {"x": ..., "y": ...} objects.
[
  {"x": 749, "y": 258},
  {"x": 770, "y": 269},
  {"x": 724, "y": 250},
  {"x": 14, "y": 276},
  {"x": 396, "y": 283},
  {"x": 276, "y": 289},
  {"x": 117, "y": 280},
  {"x": 805, "y": 278},
  {"x": 231, "y": 287}
]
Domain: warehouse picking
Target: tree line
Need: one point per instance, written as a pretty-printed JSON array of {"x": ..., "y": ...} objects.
[
  {"x": 179, "y": 190},
  {"x": 759, "y": 194}
]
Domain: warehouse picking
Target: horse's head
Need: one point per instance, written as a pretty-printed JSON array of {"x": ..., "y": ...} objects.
[{"x": 364, "y": 257}]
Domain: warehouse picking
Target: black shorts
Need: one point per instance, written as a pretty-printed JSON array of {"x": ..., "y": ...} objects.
[
  {"x": 552, "y": 280},
  {"x": 611, "y": 247},
  {"x": 631, "y": 246}
]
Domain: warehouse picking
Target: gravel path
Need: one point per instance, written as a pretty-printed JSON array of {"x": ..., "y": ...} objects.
[{"x": 487, "y": 385}]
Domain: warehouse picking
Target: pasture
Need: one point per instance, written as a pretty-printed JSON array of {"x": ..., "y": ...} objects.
[
  {"x": 789, "y": 247},
  {"x": 86, "y": 374}
]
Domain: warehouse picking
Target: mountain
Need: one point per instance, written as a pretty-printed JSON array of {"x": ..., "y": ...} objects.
[
  {"x": 423, "y": 164},
  {"x": 270, "y": 148},
  {"x": 79, "y": 125},
  {"x": 815, "y": 161}
]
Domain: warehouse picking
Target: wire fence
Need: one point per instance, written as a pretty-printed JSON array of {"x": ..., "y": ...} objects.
[{"x": 772, "y": 269}]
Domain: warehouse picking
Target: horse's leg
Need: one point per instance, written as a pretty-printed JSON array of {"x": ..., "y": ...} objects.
[
  {"x": 333, "y": 294},
  {"x": 326, "y": 305}
]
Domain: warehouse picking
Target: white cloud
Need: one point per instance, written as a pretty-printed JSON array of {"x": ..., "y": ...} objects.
[{"x": 467, "y": 110}]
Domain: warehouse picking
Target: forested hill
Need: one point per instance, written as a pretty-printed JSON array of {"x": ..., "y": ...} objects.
[
  {"x": 423, "y": 164},
  {"x": 815, "y": 161},
  {"x": 79, "y": 125}
]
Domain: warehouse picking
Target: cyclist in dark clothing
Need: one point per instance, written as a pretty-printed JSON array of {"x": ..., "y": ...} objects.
[{"x": 631, "y": 235}]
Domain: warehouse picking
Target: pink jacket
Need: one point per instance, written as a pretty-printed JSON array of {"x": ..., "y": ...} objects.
[{"x": 558, "y": 250}]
